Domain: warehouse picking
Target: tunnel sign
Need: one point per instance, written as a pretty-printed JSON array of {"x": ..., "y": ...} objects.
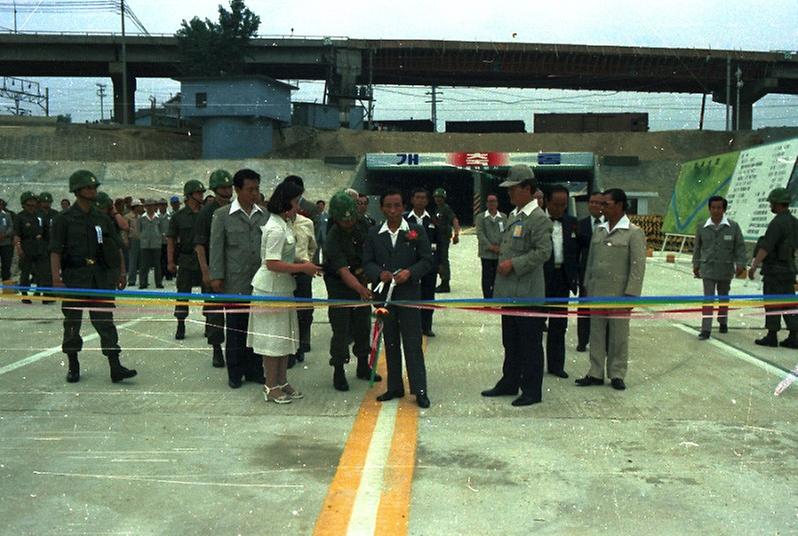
[{"x": 476, "y": 160}]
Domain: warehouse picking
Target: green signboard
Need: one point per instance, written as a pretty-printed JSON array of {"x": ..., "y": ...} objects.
[{"x": 698, "y": 181}]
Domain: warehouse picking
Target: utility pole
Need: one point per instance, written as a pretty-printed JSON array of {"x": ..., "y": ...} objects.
[
  {"x": 15, "y": 16},
  {"x": 728, "y": 93},
  {"x": 101, "y": 93},
  {"x": 124, "y": 67},
  {"x": 739, "y": 75},
  {"x": 434, "y": 99}
]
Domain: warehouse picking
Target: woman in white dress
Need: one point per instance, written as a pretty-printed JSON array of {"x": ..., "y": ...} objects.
[{"x": 274, "y": 332}]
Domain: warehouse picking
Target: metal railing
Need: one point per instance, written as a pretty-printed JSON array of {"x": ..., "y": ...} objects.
[{"x": 6, "y": 31}]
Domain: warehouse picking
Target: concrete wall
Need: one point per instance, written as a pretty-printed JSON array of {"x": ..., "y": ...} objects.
[
  {"x": 314, "y": 115},
  {"x": 236, "y": 137},
  {"x": 163, "y": 178}
]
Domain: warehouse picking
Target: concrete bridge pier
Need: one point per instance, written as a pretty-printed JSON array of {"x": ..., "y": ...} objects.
[{"x": 121, "y": 101}]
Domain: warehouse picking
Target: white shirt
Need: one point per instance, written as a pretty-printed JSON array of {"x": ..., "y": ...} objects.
[
  {"x": 557, "y": 240},
  {"x": 724, "y": 221},
  {"x": 419, "y": 219},
  {"x": 623, "y": 223},
  {"x": 593, "y": 223},
  {"x": 394, "y": 234},
  {"x": 528, "y": 208},
  {"x": 234, "y": 206}
]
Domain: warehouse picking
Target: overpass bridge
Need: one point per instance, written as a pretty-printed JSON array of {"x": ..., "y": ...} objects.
[{"x": 345, "y": 64}]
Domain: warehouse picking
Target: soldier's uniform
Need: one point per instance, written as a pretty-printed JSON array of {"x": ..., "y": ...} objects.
[
  {"x": 88, "y": 246},
  {"x": 48, "y": 216},
  {"x": 779, "y": 270},
  {"x": 111, "y": 248},
  {"x": 31, "y": 235},
  {"x": 344, "y": 249},
  {"x": 181, "y": 230},
  {"x": 444, "y": 217},
  {"x": 214, "y": 314}
]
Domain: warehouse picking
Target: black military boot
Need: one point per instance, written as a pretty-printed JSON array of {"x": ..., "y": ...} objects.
[
  {"x": 73, "y": 374},
  {"x": 118, "y": 372},
  {"x": 180, "y": 334},
  {"x": 443, "y": 287},
  {"x": 364, "y": 371},
  {"x": 791, "y": 341},
  {"x": 218, "y": 356},
  {"x": 339, "y": 378},
  {"x": 768, "y": 340}
]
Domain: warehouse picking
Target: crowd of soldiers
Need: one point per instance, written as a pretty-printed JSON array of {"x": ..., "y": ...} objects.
[{"x": 245, "y": 244}]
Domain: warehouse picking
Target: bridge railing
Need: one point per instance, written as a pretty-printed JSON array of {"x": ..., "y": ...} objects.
[{"x": 140, "y": 34}]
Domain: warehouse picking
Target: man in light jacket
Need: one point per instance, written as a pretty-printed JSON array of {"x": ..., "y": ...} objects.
[
  {"x": 616, "y": 265},
  {"x": 719, "y": 253},
  {"x": 490, "y": 226}
]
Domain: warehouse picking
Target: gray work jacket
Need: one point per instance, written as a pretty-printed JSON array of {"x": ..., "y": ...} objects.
[
  {"x": 235, "y": 246},
  {"x": 526, "y": 241},
  {"x": 489, "y": 233},
  {"x": 719, "y": 251}
]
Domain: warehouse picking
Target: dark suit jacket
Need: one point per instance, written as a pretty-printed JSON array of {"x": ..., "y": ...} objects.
[
  {"x": 570, "y": 251},
  {"x": 584, "y": 233},
  {"x": 433, "y": 234},
  {"x": 415, "y": 255}
]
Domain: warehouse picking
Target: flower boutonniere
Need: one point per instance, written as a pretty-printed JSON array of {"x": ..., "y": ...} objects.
[{"x": 411, "y": 235}]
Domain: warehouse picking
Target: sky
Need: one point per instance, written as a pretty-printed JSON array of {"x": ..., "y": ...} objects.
[{"x": 729, "y": 24}]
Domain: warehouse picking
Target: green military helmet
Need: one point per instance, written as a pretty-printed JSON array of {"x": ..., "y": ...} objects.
[
  {"x": 193, "y": 186},
  {"x": 220, "y": 178},
  {"x": 780, "y": 195},
  {"x": 46, "y": 197},
  {"x": 103, "y": 201},
  {"x": 27, "y": 196},
  {"x": 439, "y": 192},
  {"x": 81, "y": 179},
  {"x": 343, "y": 207}
]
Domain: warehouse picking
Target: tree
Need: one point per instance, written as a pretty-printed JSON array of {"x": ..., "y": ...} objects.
[{"x": 210, "y": 48}]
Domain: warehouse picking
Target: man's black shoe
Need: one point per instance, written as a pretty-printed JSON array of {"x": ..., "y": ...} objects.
[
  {"x": 300, "y": 356},
  {"x": 180, "y": 334},
  {"x": 768, "y": 340},
  {"x": 704, "y": 335},
  {"x": 581, "y": 348},
  {"x": 73, "y": 375},
  {"x": 724, "y": 328},
  {"x": 617, "y": 383},
  {"x": 443, "y": 288},
  {"x": 304, "y": 347},
  {"x": 390, "y": 395},
  {"x": 48, "y": 302},
  {"x": 234, "y": 383},
  {"x": 364, "y": 371},
  {"x": 218, "y": 356},
  {"x": 339, "y": 379},
  {"x": 158, "y": 286},
  {"x": 122, "y": 373},
  {"x": 559, "y": 373},
  {"x": 524, "y": 400},
  {"x": 588, "y": 380},
  {"x": 422, "y": 400},
  {"x": 789, "y": 342},
  {"x": 27, "y": 301},
  {"x": 496, "y": 391},
  {"x": 428, "y": 333}
]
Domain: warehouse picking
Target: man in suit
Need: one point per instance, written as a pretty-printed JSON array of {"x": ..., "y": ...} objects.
[
  {"x": 525, "y": 246},
  {"x": 561, "y": 273},
  {"x": 587, "y": 226},
  {"x": 399, "y": 251},
  {"x": 719, "y": 252},
  {"x": 234, "y": 259},
  {"x": 615, "y": 267},
  {"x": 419, "y": 200},
  {"x": 490, "y": 225}
]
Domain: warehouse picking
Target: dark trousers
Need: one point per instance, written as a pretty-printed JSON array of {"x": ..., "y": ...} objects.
[
  {"x": 443, "y": 254},
  {"x": 583, "y": 321},
  {"x": 722, "y": 287},
  {"x": 242, "y": 361},
  {"x": 35, "y": 270},
  {"x": 489, "y": 267},
  {"x": 427, "y": 293},
  {"x": 522, "y": 338},
  {"x": 6, "y": 257},
  {"x": 150, "y": 258},
  {"x": 402, "y": 331},
  {"x": 103, "y": 322},
  {"x": 186, "y": 280},
  {"x": 557, "y": 287},
  {"x": 214, "y": 320},
  {"x": 304, "y": 289},
  {"x": 133, "y": 260},
  {"x": 349, "y": 324},
  {"x": 780, "y": 285},
  {"x": 165, "y": 263}
]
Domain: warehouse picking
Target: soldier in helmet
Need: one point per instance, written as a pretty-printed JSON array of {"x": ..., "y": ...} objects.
[
  {"x": 776, "y": 254},
  {"x": 346, "y": 280},
  {"x": 180, "y": 249},
  {"x": 221, "y": 183},
  {"x": 449, "y": 229},
  {"x": 48, "y": 215},
  {"x": 114, "y": 246},
  {"x": 84, "y": 251},
  {"x": 31, "y": 244}
]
